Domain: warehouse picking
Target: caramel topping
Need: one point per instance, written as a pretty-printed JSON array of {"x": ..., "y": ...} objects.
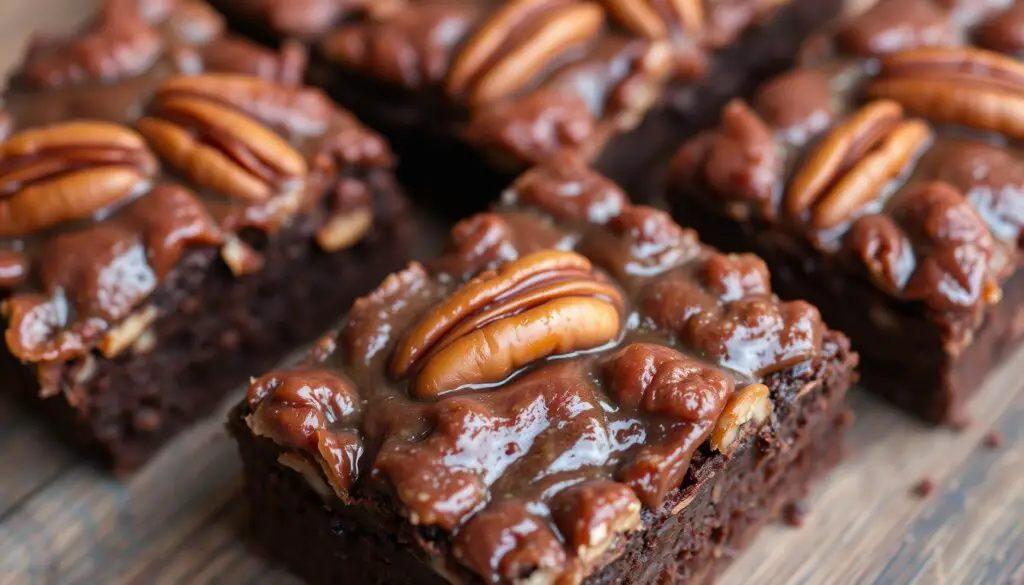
[{"x": 530, "y": 402}]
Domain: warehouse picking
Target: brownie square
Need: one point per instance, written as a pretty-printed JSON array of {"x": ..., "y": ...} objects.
[
  {"x": 166, "y": 226},
  {"x": 882, "y": 180},
  {"x": 577, "y": 391},
  {"x": 472, "y": 92}
]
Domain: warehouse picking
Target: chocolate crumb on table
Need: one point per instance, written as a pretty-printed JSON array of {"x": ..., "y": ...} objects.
[
  {"x": 169, "y": 221},
  {"x": 578, "y": 390},
  {"x": 882, "y": 180},
  {"x": 924, "y": 488},
  {"x": 994, "y": 440},
  {"x": 471, "y": 92}
]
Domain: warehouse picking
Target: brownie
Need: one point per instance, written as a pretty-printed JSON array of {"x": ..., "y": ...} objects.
[
  {"x": 471, "y": 92},
  {"x": 882, "y": 180},
  {"x": 577, "y": 390},
  {"x": 166, "y": 226}
]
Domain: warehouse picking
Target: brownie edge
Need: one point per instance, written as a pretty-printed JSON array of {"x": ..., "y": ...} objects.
[
  {"x": 689, "y": 540},
  {"x": 577, "y": 390}
]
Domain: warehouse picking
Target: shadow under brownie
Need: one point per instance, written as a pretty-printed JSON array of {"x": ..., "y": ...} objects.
[
  {"x": 162, "y": 235},
  {"x": 882, "y": 181},
  {"x": 577, "y": 391},
  {"x": 471, "y": 92}
]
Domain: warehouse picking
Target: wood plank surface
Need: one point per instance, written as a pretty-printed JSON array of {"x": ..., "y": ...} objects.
[{"x": 180, "y": 520}]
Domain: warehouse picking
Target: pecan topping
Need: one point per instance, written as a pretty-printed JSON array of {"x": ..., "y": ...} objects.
[
  {"x": 883, "y": 248},
  {"x": 279, "y": 105},
  {"x": 544, "y": 304},
  {"x": 973, "y": 87},
  {"x": 69, "y": 172},
  {"x": 117, "y": 49},
  {"x": 853, "y": 163},
  {"x": 518, "y": 42},
  {"x": 740, "y": 159},
  {"x": 661, "y": 381},
  {"x": 506, "y": 543},
  {"x": 656, "y": 19},
  {"x": 953, "y": 244},
  {"x": 592, "y": 514},
  {"x": 221, "y": 148},
  {"x": 411, "y": 48},
  {"x": 310, "y": 410},
  {"x": 569, "y": 190},
  {"x": 536, "y": 127},
  {"x": 749, "y": 406}
]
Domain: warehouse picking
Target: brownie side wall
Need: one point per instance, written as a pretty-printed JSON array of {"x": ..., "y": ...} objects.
[
  {"x": 457, "y": 178},
  {"x": 369, "y": 544},
  {"x": 903, "y": 359},
  {"x": 755, "y": 487},
  {"x": 214, "y": 331}
]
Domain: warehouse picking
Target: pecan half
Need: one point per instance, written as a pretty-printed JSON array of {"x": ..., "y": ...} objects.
[
  {"x": 280, "y": 105},
  {"x": 69, "y": 172},
  {"x": 218, "y": 147},
  {"x": 543, "y": 304},
  {"x": 853, "y": 163},
  {"x": 658, "y": 19},
  {"x": 973, "y": 87},
  {"x": 520, "y": 40}
]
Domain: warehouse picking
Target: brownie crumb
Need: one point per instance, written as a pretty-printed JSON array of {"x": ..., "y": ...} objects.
[
  {"x": 795, "y": 513},
  {"x": 994, "y": 440},
  {"x": 924, "y": 488}
]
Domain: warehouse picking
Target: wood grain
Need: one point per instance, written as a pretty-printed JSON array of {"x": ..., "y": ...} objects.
[{"x": 181, "y": 519}]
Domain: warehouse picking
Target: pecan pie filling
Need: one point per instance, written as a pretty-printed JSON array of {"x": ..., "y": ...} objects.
[{"x": 534, "y": 389}]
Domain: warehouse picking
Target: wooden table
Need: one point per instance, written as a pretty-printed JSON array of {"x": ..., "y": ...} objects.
[{"x": 179, "y": 520}]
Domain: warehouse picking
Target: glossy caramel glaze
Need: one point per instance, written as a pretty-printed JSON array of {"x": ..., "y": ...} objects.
[
  {"x": 894, "y": 148},
  {"x": 522, "y": 79},
  {"x": 603, "y": 344},
  {"x": 147, "y": 135}
]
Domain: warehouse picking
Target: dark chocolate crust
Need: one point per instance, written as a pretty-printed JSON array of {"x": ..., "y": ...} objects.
[
  {"x": 728, "y": 502},
  {"x": 215, "y": 329},
  {"x": 437, "y": 158}
]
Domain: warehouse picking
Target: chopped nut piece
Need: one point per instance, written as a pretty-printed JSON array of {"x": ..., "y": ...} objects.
[
  {"x": 344, "y": 230},
  {"x": 240, "y": 257},
  {"x": 749, "y": 405},
  {"x": 127, "y": 332}
]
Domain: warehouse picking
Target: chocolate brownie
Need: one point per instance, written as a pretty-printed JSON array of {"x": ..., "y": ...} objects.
[
  {"x": 166, "y": 227},
  {"x": 883, "y": 180},
  {"x": 471, "y": 92},
  {"x": 578, "y": 390}
]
